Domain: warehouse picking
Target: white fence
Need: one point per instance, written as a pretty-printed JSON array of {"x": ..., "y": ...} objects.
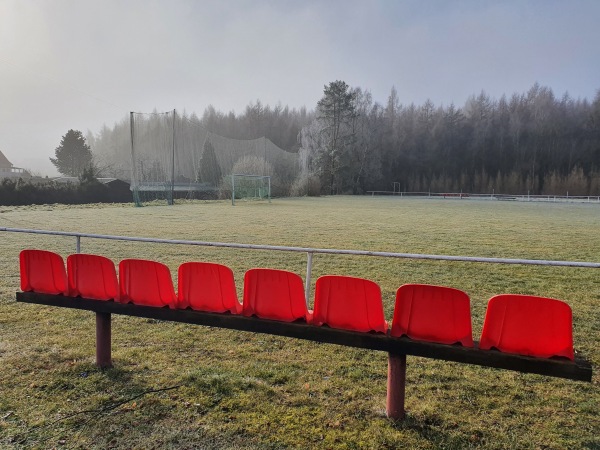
[
  {"x": 502, "y": 197},
  {"x": 309, "y": 251}
]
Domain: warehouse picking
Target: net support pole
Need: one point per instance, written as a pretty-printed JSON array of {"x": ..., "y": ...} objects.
[
  {"x": 396, "y": 386},
  {"x": 172, "y": 199},
  {"x": 134, "y": 184},
  {"x": 103, "y": 337},
  {"x": 232, "y": 190},
  {"x": 269, "y": 178}
]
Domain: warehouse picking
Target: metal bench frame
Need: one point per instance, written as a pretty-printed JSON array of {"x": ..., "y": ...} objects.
[{"x": 397, "y": 348}]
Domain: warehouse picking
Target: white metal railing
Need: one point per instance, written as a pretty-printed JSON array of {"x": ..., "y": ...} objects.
[
  {"x": 494, "y": 196},
  {"x": 309, "y": 251}
]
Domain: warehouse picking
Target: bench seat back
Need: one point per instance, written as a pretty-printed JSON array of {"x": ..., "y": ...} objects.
[
  {"x": 433, "y": 313},
  {"x": 148, "y": 283},
  {"x": 42, "y": 271},
  {"x": 275, "y": 294},
  {"x": 205, "y": 286},
  {"x": 92, "y": 276},
  {"x": 349, "y": 303},
  {"x": 528, "y": 325}
]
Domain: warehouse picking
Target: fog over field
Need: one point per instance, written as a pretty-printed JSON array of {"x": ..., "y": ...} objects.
[{"x": 79, "y": 65}]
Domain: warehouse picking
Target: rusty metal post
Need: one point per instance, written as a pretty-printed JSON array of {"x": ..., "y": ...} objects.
[
  {"x": 396, "y": 385},
  {"x": 103, "y": 358}
]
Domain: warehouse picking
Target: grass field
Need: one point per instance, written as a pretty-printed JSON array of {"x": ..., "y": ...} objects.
[{"x": 182, "y": 386}]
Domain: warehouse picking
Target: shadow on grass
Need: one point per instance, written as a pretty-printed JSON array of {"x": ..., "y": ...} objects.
[
  {"x": 429, "y": 427},
  {"x": 82, "y": 398},
  {"x": 442, "y": 433}
]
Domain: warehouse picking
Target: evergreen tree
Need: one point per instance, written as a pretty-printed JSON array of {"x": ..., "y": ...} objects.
[
  {"x": 336, "y": 111},
  {"x": 73, "y": 155},
  {"x": 210, "y": 171},
  {"x": 89, "y": 175}
]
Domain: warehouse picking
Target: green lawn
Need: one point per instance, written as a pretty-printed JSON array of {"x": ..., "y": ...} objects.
[{"x": 226, "y": 389}]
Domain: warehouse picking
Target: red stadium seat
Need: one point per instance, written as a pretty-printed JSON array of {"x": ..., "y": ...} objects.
[
  {"x": 146, "y": 283},
  {"x": 275, "y": 294},
  {"x": 433, "y": 313},
  {"x": 349, "y": 303},
  {"x": 207, "y": 287},
  {"x": 42, "y": 271},
  {"x": 528, "y": 325},
  {"x": 92, "y": 276}
]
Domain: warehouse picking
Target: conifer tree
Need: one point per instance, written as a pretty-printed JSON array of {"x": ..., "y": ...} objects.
[
  {"x": 210, "y": 171},
  {"x": 336, "y": 110},
  {"x": 73, "y": 155}
]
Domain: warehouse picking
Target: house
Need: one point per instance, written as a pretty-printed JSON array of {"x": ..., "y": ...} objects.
[
  {"x": 7, "y": 170},
  {"x": 110, "y": 182}
]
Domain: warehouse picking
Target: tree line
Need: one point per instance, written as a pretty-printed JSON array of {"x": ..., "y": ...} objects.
[{"x": 532, "y": 142}]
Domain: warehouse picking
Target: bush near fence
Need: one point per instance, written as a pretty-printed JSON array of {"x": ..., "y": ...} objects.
[{"x": 21, "y": 192}]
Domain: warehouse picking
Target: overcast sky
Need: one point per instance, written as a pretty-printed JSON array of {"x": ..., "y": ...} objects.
[{"x": 79, "y": 64}]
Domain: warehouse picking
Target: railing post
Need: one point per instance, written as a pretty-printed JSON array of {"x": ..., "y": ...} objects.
[
  {"x": 308, "y": 272},
  {"x": 77, "y": 244},
  {"x": 396, "y": 386},
  {"x": 103, "y": 332}
]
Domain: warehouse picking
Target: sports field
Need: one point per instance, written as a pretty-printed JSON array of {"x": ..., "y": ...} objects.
[{"x": 183, "y": 386}]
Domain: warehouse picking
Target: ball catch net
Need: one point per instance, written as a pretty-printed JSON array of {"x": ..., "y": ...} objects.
[{"x": 174, "y": 157}]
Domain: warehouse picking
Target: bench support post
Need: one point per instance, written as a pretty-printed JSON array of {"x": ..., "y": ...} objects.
[
  {"x": 396, "y": 384},
  {"x": 103, "y": 358}
]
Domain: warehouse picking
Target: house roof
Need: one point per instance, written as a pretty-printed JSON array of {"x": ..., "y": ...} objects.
[
  {"x": 4, "y": 163},
  {"x": 75, "y": 180}
]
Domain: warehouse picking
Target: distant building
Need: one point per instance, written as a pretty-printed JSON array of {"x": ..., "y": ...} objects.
[
  {"x": 7, "y": 170},
  {"x": 110, "y": 182},
  {"x": 120, "y": 190}
]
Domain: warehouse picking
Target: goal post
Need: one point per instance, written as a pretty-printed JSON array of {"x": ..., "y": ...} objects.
[{"x": 250, "y": 187}]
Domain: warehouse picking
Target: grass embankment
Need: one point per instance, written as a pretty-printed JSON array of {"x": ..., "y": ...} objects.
[{"x": 240, "y": 390}]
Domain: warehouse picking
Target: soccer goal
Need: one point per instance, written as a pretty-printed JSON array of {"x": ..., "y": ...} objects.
[{"x": 252, "y": 187}]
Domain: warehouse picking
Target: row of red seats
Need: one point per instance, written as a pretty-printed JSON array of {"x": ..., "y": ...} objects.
[{"x": 527, "y": 325}]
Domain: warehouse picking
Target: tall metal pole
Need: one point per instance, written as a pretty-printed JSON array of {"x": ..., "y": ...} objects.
[
  {"x": 134, "y": 186},
  {"x": 232, "y": 190},
  {"x": 173, "y": 163},
  {"x": 269, "y": 189},
  {"x": 265, "y": 151}
]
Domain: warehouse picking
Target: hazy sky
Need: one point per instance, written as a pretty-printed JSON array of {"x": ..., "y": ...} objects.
[{"x": 79, "y": 64}]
